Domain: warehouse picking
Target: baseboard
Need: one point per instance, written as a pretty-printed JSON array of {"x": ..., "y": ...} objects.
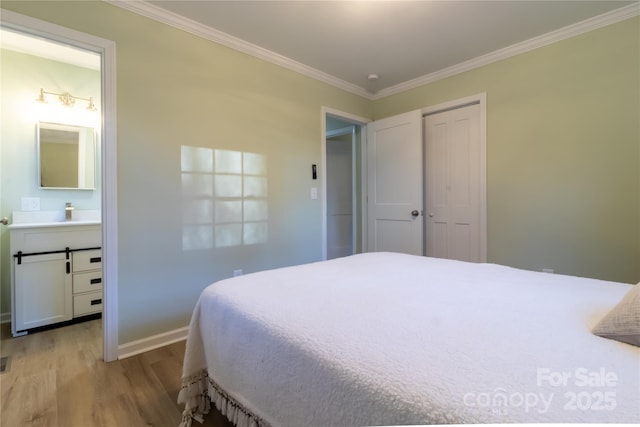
[
  {"x": 151, "y": 343},
  {"x": 5, "y": 317},
  {"x": 136, "y": 347}
]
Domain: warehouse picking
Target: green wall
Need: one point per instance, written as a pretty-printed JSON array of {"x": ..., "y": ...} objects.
[
  {"x": 173, "y": 90},
  {"x": 563, "y": 152},
  {"x": 563, "y": 155}
]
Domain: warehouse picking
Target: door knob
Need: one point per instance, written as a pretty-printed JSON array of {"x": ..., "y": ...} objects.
[
  {"x": 4, "y": 221},
  {"x": 414, "y": 213}
]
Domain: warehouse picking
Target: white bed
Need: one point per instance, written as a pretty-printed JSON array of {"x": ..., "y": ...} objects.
[{"x": 391, "y": 339}]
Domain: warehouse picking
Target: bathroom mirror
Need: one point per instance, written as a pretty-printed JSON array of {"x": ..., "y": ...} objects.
[{"x": 66, "y": 156}]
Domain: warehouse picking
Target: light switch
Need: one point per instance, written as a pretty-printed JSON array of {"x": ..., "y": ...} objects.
[{"x": 314, "y": 193}]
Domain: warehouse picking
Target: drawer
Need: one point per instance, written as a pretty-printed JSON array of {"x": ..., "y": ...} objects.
[
  {"x": 87, "y": 260},
  {"x": 87, "y": 282},
  {"x": 87, "y": 303}
]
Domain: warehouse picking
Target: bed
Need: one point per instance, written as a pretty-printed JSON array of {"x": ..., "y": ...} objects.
[{"x": 393, "y": 339}]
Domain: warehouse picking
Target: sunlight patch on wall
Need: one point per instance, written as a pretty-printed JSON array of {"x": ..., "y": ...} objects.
[{"x": 224, "y": 198}]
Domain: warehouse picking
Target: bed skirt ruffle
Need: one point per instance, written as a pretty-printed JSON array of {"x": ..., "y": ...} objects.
[{"x": 197, "y": 394}]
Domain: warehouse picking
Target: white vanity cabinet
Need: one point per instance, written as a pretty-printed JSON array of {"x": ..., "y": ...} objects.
[
  {"x": 56, "y": 273},
  {"x": 87, "y": 282}
]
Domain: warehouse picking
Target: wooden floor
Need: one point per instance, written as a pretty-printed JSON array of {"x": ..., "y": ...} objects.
[{"x": 57, "y": 378}]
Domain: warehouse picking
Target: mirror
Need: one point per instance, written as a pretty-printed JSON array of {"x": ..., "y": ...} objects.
[{"x": 66, "y": 156}]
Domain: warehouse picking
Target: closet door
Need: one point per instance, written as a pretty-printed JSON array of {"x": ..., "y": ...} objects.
[
  {"x": 394, "y": 175},
  {"x": 453, "y": 177}
]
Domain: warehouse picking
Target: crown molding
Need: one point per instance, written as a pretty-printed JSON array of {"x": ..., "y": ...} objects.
[
  {"x": 567, "y": 32},
  {"x": 156, "y": 13}
]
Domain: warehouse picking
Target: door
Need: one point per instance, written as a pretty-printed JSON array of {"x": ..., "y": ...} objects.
[
  {"x": 394, "y": 176},
  {"x": 453, "y": 179},
  {"x": 340, "y": 197},
  {"x": 43, "y": 288}
]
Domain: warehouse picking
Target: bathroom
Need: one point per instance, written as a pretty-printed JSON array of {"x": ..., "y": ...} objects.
[{"x": 47, "y": 90}]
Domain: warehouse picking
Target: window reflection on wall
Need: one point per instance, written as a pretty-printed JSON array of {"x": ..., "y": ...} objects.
[{"x": 224, "y": 198}]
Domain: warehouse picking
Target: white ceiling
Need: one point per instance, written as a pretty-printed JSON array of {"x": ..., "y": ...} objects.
[
  {"x": 32, "y": 45},
  {"x": 406, "y": 43},
  {"x": 399, "y": 40}
]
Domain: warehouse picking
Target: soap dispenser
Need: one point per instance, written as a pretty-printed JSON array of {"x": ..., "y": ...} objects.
[{"x": 68, "y": 209}]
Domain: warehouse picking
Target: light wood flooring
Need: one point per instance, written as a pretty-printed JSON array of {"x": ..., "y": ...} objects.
[{"x": 56, "y": 378}]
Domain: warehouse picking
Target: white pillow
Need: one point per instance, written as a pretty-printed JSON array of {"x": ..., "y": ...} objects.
[{"x": 622, "y": 323}]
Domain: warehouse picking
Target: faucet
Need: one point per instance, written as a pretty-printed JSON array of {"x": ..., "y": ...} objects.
[{"x": 67, "y": 211}]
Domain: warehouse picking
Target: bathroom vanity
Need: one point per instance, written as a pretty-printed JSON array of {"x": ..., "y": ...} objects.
[{"x": 56, "y": 272}]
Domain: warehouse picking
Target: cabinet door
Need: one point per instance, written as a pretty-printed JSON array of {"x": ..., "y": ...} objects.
[{"x": 43, "y": 291}]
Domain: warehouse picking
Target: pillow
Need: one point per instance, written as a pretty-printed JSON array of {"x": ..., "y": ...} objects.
[{"x": 622, "y": 323}]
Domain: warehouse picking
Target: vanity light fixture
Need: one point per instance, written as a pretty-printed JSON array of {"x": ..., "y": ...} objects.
[{"x": 66, "y": 99}]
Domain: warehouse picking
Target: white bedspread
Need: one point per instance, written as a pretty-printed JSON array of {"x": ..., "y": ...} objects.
[{"x": 390, "y": 339}]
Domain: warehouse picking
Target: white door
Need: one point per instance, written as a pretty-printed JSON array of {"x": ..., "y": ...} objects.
[
  {"x": 453, "y": 180},
  {"x": 394, "y": 176},
  {"x": 339, "y": 173}
]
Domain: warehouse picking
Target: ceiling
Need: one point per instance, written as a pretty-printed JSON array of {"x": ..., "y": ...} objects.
[
  {"x": 33, "y": 45},
  {"x": 398, "y": 40},
  {"x": 405, "y": 43}
]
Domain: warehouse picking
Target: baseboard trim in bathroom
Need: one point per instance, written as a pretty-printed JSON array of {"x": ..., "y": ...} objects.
[{"x": 4, "y": 364}]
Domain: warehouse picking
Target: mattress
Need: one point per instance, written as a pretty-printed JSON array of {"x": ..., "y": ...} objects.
[{"x": 394, "y": 339}]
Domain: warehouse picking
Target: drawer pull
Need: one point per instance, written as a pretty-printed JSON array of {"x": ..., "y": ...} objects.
[
  {"x": 68, "y": 267},
  {"x": 96, "y": 301},
  {"x": 96, "y": 281},
  {"x": 95, "y": 259}
]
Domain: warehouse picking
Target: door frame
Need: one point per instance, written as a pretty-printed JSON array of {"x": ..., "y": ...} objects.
[
  {"x": 107, "y": 51},
  {"x": 481, "y": 100},
  {"x": 357, "y": 121}
]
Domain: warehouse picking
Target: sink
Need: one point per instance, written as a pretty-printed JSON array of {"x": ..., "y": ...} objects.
[
  {"x": 86, "y": 215},
  {"x": 25, "y": 219}
]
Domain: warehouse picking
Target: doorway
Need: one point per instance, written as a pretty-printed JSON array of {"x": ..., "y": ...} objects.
[
  {"x": 31, "y": 28},
  {"x": 341, "y": 192},
  {"x": 342, "y": 186}
]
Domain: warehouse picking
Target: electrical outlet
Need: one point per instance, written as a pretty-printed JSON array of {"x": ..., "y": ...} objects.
[
  {"x": 237, "y": 272},
  {"x": 31, "y": 203},
  {"x": 314, "y": 193}
]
